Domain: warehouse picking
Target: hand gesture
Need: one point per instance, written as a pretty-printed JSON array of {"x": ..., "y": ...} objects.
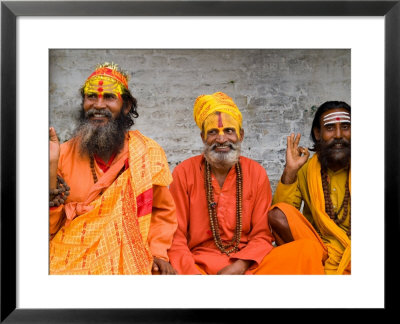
[
  {"x": 162, "y": 267},
  {"x": 54, "y": 146},
  {"x": 296, "y": 157},
  {"x": 54, "y": 154}
]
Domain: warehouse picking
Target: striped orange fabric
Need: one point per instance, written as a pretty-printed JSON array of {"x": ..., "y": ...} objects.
[{"x": 112, "y": 237}]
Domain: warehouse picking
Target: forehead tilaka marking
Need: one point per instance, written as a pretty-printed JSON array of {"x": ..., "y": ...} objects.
[
  {"x": 220, "y": 124},
  {"x": 336, "y": 117}
]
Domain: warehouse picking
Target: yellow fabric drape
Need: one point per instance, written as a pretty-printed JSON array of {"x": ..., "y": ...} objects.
[
  {"x": 336, "y": 240},
  {"x": 205, "y": 105}
]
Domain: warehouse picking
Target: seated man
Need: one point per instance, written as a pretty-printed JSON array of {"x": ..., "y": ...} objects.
[
  {"x": 323, "y": 184},
  {"x": 111, "y": 211},
  {"x": 222, "y": 202}
]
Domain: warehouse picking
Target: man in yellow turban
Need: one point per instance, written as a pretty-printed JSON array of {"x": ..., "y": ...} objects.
[
  {"x": 222, "y": 201},
  {"x": 323, "y": 184},
  {"x": 111, "y": 211}
]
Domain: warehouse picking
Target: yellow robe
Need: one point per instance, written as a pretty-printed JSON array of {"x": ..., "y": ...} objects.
[{"x": 308, "y": 188}]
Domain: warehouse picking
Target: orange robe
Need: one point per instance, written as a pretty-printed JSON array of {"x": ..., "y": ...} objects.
[
  {"x": 155, "y": 202},
  {"x": 193, "y": 250}
]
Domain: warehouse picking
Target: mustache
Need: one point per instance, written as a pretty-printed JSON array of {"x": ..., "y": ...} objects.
[
  {"x": 227, "y": 143},
  {"x": 343, "y": 142},
  {"x": 93, "y": 111}
]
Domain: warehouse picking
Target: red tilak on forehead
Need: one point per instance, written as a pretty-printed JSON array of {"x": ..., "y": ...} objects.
[
  {"x": 220, "y": 124},
  {"x": 100, "y": 89}
]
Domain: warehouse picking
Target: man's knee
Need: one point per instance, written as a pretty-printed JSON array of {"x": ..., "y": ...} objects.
[
  {"x": 277, "y": 219},
  {"x": 279, "y": 226}
]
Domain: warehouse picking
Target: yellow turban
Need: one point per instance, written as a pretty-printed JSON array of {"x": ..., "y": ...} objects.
[{"x": 205, "y": 105}]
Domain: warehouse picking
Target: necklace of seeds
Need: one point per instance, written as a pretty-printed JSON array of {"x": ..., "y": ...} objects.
[
  {"x": 328, "y": 202},
  {"x": 94, "y": 175},
  {"x": 212, "y": 212}
]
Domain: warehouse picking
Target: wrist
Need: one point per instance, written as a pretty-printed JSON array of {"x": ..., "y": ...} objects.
[
  {"x": 244, "y": 264},
  {"x": 289, "y": 176},
  {"x": 53, "y": 166},
  {"x": 52, "y": 180}
]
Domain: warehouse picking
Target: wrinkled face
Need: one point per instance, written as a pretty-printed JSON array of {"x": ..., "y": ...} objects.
[
  {"x": 334, "y": 135},
  {"x": 222, "y": 138}
]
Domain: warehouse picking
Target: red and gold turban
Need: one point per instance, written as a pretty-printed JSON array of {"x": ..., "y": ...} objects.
[
  {"x": 107, "y": 78},
  {"x": 206, "y": 105}
]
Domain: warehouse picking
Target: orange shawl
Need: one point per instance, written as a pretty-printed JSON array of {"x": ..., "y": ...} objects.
[{"x": 110, "y": 234}]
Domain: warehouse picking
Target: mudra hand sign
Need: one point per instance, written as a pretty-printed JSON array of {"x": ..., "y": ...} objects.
[{"x": 296, "y": 157}]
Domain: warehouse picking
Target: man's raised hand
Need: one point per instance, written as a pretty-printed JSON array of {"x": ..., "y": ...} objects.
[
  {"x": 54, "y": 154},
  {"x": 296, "y": 157}
]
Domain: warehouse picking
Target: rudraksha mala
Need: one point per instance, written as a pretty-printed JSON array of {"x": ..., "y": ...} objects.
[
  {"x": 94, "y": 175},
  {"x": 212, "y": 213},
  {"x": 328, "y": 202},
  {"x": 59, "y": 195}
]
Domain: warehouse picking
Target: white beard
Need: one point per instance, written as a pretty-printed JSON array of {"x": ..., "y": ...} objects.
[{"x": 222, "y": 159}]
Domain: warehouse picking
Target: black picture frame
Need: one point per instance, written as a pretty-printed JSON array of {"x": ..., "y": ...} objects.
[{"x": 10, "y": 10}]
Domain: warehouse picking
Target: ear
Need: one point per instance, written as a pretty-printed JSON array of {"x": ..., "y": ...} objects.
[
  {"x": 241, "y": 134},
  {"x": 317, "y": 133},
  {"x": 126, "y": 108},
  {"x": 202, "y": 137}
]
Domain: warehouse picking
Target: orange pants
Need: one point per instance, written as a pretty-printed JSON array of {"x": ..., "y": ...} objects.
[
  {"x": 297, "y": 257},
  {"x": 301, "y": 229},
  {"x": 305, "y": 255}
]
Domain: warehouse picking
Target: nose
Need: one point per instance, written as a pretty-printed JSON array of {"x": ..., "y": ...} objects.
[
  {"x": 221, "y": 138},
  {"x": 338, "y": 131},
  {"x": 100, "y": 103}
]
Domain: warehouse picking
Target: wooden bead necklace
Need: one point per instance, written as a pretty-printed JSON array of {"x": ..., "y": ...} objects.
[
  {"x": 328, "y": 202},
  {"x": 212, "y": 212},
  {"x": 94, "y": 175},
  {"x": 59, "y": 195}
]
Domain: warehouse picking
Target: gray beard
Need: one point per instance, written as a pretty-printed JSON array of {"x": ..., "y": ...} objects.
[
  {"x": 222, "y": 159},
  {"x": 100, "y": 139}
]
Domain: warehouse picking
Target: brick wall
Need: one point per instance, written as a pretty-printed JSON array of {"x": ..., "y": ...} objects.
[{"x": 277, "y": 92}]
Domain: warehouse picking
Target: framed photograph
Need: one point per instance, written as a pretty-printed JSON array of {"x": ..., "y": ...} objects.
[{"x": 40, "y": 39}]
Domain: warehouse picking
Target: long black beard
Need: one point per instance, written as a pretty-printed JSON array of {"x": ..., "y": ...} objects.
[
  {"x": 222, "y": 159},
  {"x": 328, "y": 156},
  {"x": 98, "y": 139}
]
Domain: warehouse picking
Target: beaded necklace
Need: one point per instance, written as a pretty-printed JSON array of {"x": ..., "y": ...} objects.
[
  {"x": 94, "y": 175},
  {"x": 328, "y": 202},
  {"x": 212, "y": 213}
]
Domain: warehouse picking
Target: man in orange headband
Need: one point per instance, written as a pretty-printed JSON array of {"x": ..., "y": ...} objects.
[
  {"x": 323, "y": 184},
  {"x": 222, "y": 201},
  {"x": 111, "y": 211}
]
